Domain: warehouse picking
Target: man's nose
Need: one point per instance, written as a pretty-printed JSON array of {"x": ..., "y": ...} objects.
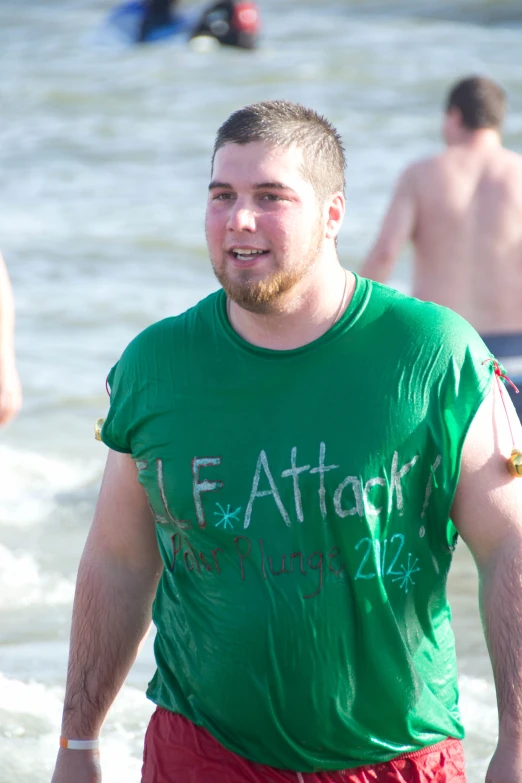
[{"x": 242, "y": 218}]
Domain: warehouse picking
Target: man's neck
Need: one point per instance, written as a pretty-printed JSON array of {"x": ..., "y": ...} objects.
[
  {"x": 301, "y": 316},
  {"x": 481, "y": 140}
]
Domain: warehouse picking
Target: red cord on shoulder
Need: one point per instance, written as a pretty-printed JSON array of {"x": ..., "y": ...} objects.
[
  {"x": 499, "y": 374},
  {"x": 496, "y": 370}
]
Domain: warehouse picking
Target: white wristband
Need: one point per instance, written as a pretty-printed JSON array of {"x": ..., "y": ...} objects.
[{"x": 71, "y": 744}]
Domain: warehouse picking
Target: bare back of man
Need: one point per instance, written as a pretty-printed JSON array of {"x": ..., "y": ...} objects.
[
  {"x": 467, "y": 233},
  {"x": 462, "y": 212}
]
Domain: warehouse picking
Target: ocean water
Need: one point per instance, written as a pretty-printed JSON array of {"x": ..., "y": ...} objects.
[{"x": 104, "y": 154}]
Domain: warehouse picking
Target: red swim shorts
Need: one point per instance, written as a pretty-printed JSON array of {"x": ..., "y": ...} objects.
[{"x": 178, "y": 751}]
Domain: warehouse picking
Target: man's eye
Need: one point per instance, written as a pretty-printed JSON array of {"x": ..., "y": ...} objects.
[
  {"x": 270, "y": 197},
  {"x": 222, "y": 196}
]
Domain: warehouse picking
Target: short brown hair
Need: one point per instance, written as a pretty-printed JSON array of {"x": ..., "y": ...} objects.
[
  {"x": 283, "y": 124},
  {"x": 481, "y": 102}
]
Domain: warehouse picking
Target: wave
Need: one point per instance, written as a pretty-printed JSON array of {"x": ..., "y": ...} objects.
[
  {"x": 31, "y": 483},
  {"x": 482, "y": 12},
  {"x": 30, "y": 716},
  {"x": 23, "y": 583}
]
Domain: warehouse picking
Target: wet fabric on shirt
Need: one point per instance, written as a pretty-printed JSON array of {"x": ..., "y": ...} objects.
[{"x": 302, "y": 507}]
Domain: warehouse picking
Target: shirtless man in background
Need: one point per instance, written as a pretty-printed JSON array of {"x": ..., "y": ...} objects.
[{"x": 462, "y": 210}]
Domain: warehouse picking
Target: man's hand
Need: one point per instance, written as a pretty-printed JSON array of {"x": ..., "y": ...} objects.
[
  {"x": 77, "y": 766},
  {"x": 506, "y": 764},
  {"x": 10, "y": 392}
]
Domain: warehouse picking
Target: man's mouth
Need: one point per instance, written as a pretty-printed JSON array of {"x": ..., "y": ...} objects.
[{"x": 247, "y": 254}]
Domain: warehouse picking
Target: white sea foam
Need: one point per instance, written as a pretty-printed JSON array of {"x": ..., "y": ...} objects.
[
  {"x": 28, "y": 708},
  {"x": 479, "y": 715},
  {"x": 23, "y": 583},
  {"x": 30, "y": 715},
  {"x": 30, "y": 482},
  {"x": 478, "y": 706}
]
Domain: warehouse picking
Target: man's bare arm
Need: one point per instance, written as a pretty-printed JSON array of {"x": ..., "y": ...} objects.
[
  {"x": 488, "y": 514},
  {"x": 10, "y": 389},
  {"x": 117, "y": 581},
  {"x": 397, "y": 228}
]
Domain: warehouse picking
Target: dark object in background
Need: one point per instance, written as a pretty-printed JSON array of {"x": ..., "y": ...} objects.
[
  {"x": 231, "y": 23},
  {"x": 158, "y": 13},
  {"x": 227, "y": 22}
]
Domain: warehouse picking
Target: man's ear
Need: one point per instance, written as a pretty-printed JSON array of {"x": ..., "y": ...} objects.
[
  {"x": 335, "y": 215},
  {"x": 456, "y": 116}
]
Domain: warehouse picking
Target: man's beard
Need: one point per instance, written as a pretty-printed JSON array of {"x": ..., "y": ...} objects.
[{"x": 262, "y": 296}]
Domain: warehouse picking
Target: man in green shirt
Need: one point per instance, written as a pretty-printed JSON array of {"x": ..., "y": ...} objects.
[{"x": 291, "y": 461}]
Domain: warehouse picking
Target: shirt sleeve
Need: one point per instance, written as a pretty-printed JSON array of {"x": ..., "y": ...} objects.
[
  {"x": 117, "y": 429},
  {"x": 467, "y": 384},
  {"x": 464, "y": 387}
]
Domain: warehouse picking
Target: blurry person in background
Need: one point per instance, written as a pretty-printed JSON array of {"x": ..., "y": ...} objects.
[
  {"x": 230, "y": 22},
  {"x": 462, "y": 211},
  {"x": 10, "y": 388},
  {"x": 158, "y": 14}
]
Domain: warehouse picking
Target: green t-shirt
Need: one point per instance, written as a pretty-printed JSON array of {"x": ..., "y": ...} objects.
[{"x": 302, "y": 503}]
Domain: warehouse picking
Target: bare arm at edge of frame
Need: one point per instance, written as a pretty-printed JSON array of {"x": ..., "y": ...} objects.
[
  {"x": 117, "y": 580},
  {"x": 397, "y": 228},
  {"x": 487, "y": 512},
  {"x": 10, "y": 388}
]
